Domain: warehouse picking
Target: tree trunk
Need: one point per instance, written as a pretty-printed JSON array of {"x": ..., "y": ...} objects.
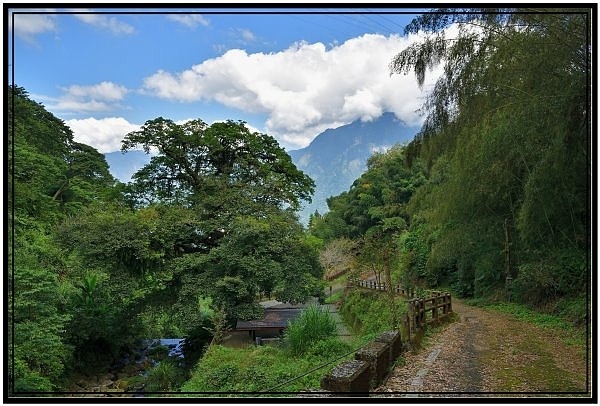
[
  {"x": 507, "y": 259},
  {"x": 390, "y": 291},
  {"x": 60, "y": 190}
]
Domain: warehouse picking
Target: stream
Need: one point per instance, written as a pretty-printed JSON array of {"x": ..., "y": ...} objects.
[{"x": 130, "y": 372}]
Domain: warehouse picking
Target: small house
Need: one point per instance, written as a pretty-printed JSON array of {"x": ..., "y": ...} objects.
[{"x": 268, "y": 329}]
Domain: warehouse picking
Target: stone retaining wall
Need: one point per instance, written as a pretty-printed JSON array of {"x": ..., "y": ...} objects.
[
  {"x": 350, "y": 376},
  {"x": 394, "y": 341},
  {"x": 370, "y": 367}
]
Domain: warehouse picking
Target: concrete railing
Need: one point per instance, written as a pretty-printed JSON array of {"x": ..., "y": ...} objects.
[{"x": 437, "y": 306}]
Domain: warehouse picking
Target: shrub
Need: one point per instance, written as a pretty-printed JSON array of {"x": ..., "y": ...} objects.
[
  {"x": 573, "y": 310},
  {"x": 313, "y": 325},
  {"x": 163, "y": 377},
  {"x": 370, "y": 313}
]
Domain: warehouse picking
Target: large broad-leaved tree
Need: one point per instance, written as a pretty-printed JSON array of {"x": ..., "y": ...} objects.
[
  {"x": 221, "y": 167},
  {"x": 240, "y": 190}
]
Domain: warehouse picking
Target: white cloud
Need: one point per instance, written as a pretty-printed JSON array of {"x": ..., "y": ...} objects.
[
  {"x": 304, "y": 89},
  {"x": 27, "y": 26},
  {"x": 189, "y": 20},
  {"x": 182, "y": 122},
  {"x": 72, "y": 105},
  {"x": 247, "y": 35},
  {"x": 112, "y": 24},
  {"x": 251, "y": 128},
  {"x": 103, "y": 96},
  {"x": 104, "y": 90},
  {"x": 105, "y": 134}
]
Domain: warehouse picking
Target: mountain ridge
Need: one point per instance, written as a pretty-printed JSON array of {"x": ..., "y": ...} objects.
[{"x": 337, "y": 157}]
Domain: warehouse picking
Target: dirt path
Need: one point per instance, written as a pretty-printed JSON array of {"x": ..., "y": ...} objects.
[{"x": 487, "y": 351}]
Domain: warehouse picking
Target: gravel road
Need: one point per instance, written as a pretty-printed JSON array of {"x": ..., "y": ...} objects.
[{"x": 488, "y": 353}]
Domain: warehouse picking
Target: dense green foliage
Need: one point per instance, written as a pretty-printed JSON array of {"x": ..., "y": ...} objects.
[
  {"x": 370, "y": 313},
  {"x": 207, "y": 228},
  {"x": 234, "y": 234},
  {"x": 50, "y": 178},
  {"x": 492, "y": 197},
  {"x": 376, "y": 202},
  {"x": 374, "y": 213},
  {"x": 508, "y": 138}
]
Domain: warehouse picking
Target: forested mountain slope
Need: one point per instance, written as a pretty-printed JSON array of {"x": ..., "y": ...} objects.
[
  {"x": 336, "y": 157},
  {"x": 50, "y": 178},
  {"x": 493, "y": 196}
]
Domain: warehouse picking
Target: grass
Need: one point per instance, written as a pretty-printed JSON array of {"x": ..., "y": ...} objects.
[
  {"x": 334, "y": 298},
  {"x": 311, "y": 326},
  {"x": 370, "y": 313},
  {"x": 531, "y": 366},
  {"x": 531, "y": 363},
  {"x": 541, "y": 372},
  {"x": 569, "y": 334},
  {"x": 165, "y": 376},
  {"x": 310, "y": 341},
  {"x": 265, "y": 369},
  {"x": 337, "y": 284}
]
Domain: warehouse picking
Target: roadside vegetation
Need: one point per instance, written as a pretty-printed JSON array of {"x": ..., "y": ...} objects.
[{"x": 310, "y": 341}]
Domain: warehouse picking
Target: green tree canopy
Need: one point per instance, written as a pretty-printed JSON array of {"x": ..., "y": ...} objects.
[
  {"x": 506, "y": 140},
  {"x": 196, "y": 164},
  {"x": 255, "y": 256},
  {"x": 376, "y": 202},
  {"x": 50, "y": 177}
]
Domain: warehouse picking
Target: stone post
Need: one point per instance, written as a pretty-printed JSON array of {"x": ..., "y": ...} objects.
[
  {"x": 350, "y": 376},
  {"x": 377, "y": 354},
  {"x": 393, "y": 339}
]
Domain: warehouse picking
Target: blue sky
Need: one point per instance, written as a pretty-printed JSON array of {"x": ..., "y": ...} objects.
[{"x": 288, "y": 75}]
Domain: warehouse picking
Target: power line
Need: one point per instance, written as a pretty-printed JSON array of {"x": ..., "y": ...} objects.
[
  {"x": 368, "y": 17},
  {"x": 312, "y": 370},
  {"x": 329, "y": 28},
  {"x": 385, "y": 17}
]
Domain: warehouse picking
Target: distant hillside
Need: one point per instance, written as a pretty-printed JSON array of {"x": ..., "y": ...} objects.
[{"x": 336, "y": 157}]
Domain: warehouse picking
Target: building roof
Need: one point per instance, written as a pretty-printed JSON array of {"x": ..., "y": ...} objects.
[
  {"x": 274, "y": 318},
  {"x": 276, "y": 304}
]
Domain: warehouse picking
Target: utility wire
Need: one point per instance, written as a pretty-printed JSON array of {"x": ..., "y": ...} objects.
[
  {"x": 400, "y": 26},
  {"x": 312, "y": 370},
  {"x": 312, "y": 20},
  {"x": 388, "y": 29}
]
